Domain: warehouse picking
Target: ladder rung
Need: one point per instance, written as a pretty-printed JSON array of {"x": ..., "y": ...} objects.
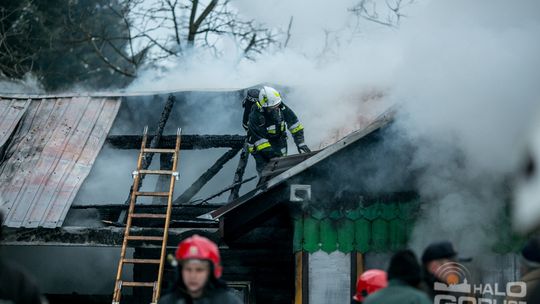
[
  {"x": 150, "y": 150},
  {"x": 142, "y": 261},
  {"x": 142, "y": 193},
  {"x": 163, "y": 172},
  {"x": 144, "y": 238},
  {"x": 148, "y": 215},
  {"x": 138, "y": 284}
]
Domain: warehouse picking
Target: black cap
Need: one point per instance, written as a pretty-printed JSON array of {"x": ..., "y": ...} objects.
[
  {"x": 252, "y": 95},
  {"x": 405, "y": 267},
  {"x": 531, "y": 250},
  {"x": 439, "y": 250}
]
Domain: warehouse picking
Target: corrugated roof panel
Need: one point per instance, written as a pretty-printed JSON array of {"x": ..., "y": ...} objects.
[
  {"x": 72, "y": 182},
  {"x": 51, "y": 155},
  {"x": 11, "y": 112}
]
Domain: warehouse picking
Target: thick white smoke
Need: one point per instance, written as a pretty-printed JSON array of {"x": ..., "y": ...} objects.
[
  {"x": 28, "y": 85},
  {"x": 469, "y": 85},
  {"x": 465, "y": 74},
  {"x": 329, "y": 70}
]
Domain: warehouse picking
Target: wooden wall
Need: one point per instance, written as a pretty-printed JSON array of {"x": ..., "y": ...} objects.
[{"x": 263, "y": 257}]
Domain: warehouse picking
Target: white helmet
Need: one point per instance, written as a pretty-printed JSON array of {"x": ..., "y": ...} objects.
[{"x": 269, "y": 97}]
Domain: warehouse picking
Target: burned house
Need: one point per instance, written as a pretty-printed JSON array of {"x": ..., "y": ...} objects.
[
  {"x": 66, "y": 164},
  {"x": 301, "y": 234}
]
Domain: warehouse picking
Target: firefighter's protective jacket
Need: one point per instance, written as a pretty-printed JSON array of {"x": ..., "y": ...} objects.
[{"x": 267, "y": 130}]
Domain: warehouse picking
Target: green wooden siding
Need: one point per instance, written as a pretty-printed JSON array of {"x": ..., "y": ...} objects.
[{"x": 378, "y": 227}]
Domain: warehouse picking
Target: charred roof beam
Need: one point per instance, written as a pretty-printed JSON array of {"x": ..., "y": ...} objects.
[
  {"x": 206, "y": 177},
  {"x": 98, "y": 236},
  {"x": 189, "y": 142}
]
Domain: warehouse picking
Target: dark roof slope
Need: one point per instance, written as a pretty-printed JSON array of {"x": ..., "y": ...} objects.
[{"x": 255, "y": 203}]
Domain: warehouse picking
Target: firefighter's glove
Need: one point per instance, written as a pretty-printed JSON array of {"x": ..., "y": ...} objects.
[{"x": 302, "y": 148}]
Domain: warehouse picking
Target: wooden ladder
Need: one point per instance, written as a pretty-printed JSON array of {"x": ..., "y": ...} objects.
[{"x": 156, "y": 285}]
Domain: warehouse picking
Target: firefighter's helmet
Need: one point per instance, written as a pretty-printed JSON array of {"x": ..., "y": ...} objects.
[
  {"x": 200, "y": 248},
  {"x": 269, "y": 97},
  {"x": 369, "y": 282}
]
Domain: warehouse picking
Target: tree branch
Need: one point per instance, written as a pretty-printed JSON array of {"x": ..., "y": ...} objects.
[
  {"x": 108, "y": 62},
  {"x": 288, "y": 33}
]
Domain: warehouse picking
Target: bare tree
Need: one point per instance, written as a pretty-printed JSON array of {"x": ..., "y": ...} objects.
[
  {"x": 63, "y": 43},
  {"x": 170, "y": 28},
  {"x": 392, "y": 11},
  {"x": 14, "y": 23},
  {"x": 104, "y": 43},
  {"x": 118, "y": 43}
]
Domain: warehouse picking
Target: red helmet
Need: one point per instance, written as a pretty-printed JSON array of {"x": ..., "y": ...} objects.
[
  {"x": 369, "y": 282},
  {"x": 200, "y": 248}
]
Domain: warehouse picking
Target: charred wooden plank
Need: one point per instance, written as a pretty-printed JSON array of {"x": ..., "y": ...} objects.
[
  {"x": 239, "y": 174},
  {"x": 163, "y": 182},
  {"x": 145, "y": 206},
  {"x": 282, "y": 164},
  {"x": 99, "y": 236},
  {"x": 189, "y": 142},
  {"x": 154, "y": 142},
  {"x": 182, "y": 216}
]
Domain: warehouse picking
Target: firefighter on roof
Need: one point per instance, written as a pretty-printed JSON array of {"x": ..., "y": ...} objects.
[{"x": 267, "y": 126}]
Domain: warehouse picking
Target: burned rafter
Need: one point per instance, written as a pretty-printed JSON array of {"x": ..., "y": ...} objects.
[
  {"x": 154, "y": 142},
  {"x": 110, "y": 212},
  {"x": 206, "y": 177},
  {"x": 239, "y": 174},
  {"x": 230, "y": 187},
  {"x": 163, "y": 182},
  {"x": 98, "y": 236},
  {"x": 189, "y": 142}
]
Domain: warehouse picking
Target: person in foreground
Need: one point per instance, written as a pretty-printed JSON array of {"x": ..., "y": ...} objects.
[
  {"x": 369, "y": 282},
  {"x": 435, "y": 256},
  {"x": 199, "y": 275},
  {"x": 530, "y": 272},
  {"x": 404, "y": 277},
  {"x": 17, "y": 287}
]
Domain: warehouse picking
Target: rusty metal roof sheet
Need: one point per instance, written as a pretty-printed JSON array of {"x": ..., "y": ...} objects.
[
  {"x": 11, "y": 112},
  {"x": 50, "y": 155}
]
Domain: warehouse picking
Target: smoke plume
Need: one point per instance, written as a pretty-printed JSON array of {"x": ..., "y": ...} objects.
[{"x": 463, "y": 73}]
